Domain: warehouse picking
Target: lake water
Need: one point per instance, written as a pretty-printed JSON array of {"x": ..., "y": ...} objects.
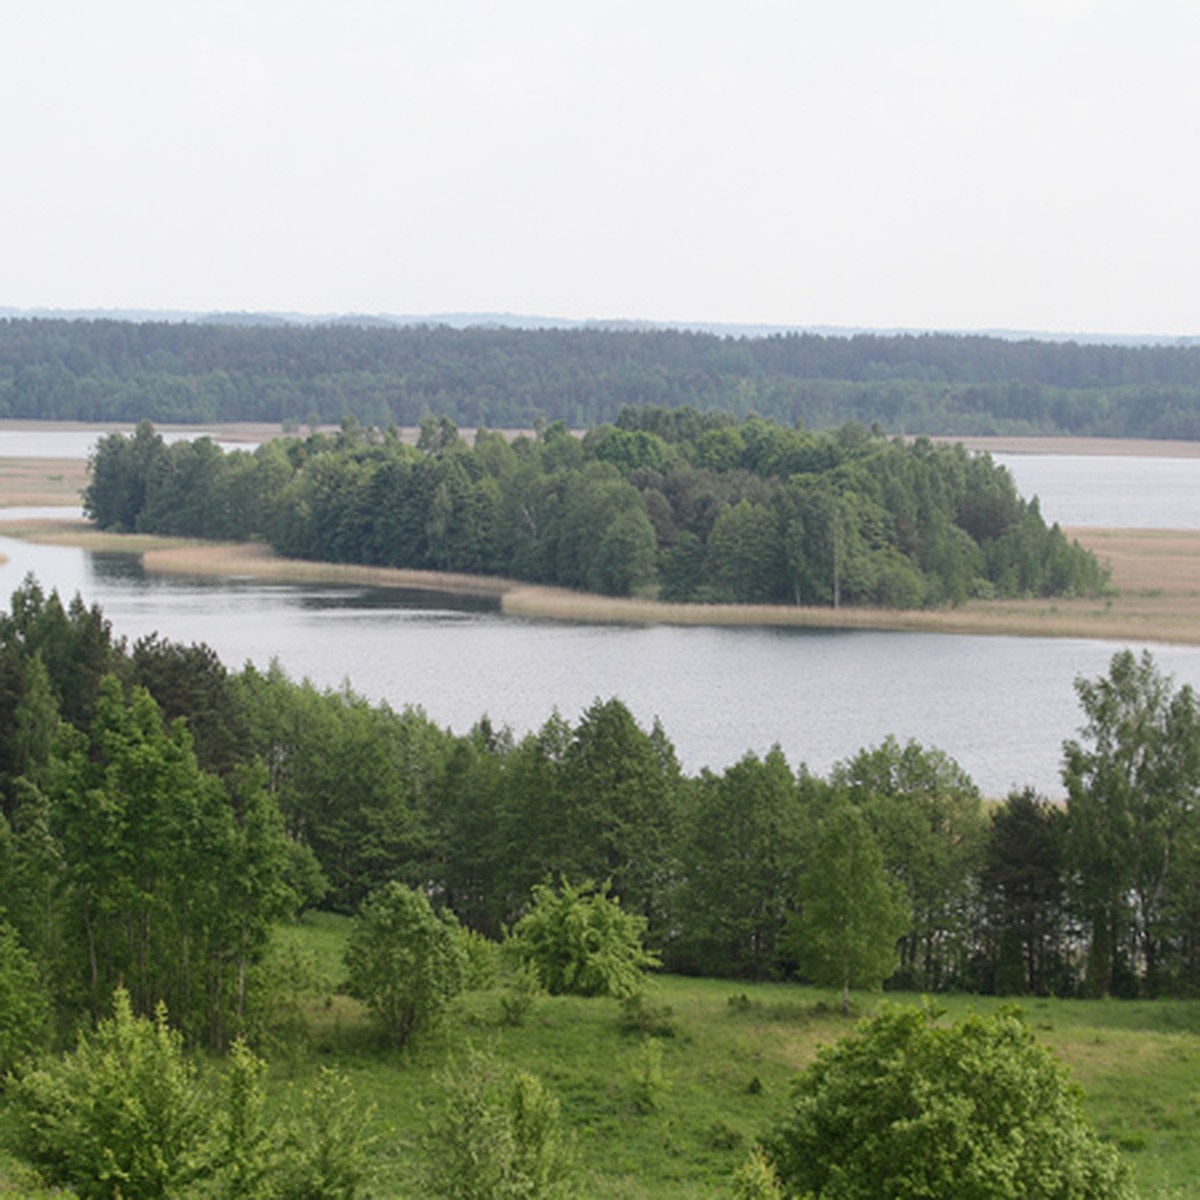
[
  {"x": 1110, "y": 491},
  {"x": 1001, "y": 707}
]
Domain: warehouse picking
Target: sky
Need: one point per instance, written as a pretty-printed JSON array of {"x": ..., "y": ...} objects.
[{"x": 958, "y": 165}]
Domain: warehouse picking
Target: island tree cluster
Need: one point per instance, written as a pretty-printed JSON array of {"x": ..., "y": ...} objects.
[{"x": 664, "y": 503}]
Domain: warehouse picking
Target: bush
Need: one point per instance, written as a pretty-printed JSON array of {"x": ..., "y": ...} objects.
[
  {"x": 119, "y": 1116},
  {"x": 497, "y": 1138},
  {"x": 581, "y": 942},
  {"x": 404, "y": 961},
  {"x": 482, "y": 959},
  {"x": 520, "y": 994},
  {"x": 755, "y": 1179},
  {"x": 127, "y": 1116},
  {"x": 904, "y": 1108}
]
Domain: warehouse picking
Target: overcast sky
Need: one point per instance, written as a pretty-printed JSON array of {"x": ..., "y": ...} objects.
[{"x": 968, "y": 164}]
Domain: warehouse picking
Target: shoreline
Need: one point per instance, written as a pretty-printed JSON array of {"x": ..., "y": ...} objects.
[
  {"x": 1155, "y": 574},
  {"x": 991, "y": 443},
  {"x": 1155, "y": 580}
]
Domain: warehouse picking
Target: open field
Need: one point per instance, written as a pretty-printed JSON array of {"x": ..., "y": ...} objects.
[
  {"x": 1135, "y": 1060},
  {"x": 730, "y": 1050}
]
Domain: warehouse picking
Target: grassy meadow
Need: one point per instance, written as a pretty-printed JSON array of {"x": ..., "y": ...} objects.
[
  {"x": 727, "y": 1065},
  {"x": 729, "y": 1051},
  {"x": 728, "y": 1060}
]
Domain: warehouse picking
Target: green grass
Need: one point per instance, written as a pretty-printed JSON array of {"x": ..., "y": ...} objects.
[
  {"x": 727, "y": 1069},
  {"x": 726, "y": 1072}
]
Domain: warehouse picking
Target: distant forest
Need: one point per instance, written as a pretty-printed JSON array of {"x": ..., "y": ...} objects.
[{"x": 117, "y": 370}]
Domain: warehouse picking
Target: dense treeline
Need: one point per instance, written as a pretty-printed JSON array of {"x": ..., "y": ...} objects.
[
  {"x": 665, "y": 503},
  {"x": 156, "y": 853},
  {"x": 113, "y": 370}
]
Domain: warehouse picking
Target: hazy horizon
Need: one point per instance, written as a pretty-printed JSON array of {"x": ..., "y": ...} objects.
[{"x": 1016, "y": 165}]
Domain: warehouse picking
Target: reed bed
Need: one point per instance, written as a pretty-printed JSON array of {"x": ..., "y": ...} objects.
[
  {"x": 41, "y": 481},
  {"x": 254, "y": 560},
  {"x": 1155, "y": 594}
]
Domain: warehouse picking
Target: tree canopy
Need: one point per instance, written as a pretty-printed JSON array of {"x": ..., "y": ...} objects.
[
  {"x": 158, "y": 853},
  {"x": 197, "y": 372},
  {"x": 718, "y": 510}
]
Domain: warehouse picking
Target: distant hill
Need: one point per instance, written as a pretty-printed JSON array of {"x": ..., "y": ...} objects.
[
  {"x": 507, "y": 320},
  {"x": 504, "y": 371}
]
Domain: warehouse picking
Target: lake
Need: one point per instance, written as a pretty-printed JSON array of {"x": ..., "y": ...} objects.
[{"x": 1000, "y": 706}]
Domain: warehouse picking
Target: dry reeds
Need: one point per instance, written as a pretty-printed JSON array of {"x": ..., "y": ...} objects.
[
  {"x": 41, "y": 481},
  {"x": 1155, "y": 598}
]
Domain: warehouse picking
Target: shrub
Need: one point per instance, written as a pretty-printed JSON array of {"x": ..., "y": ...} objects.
[
  {"x": 581, "y": 942},
  {"x": 904, "y": 1108},
  {"x": 650, "y": 1085},
  {"x": 639, "y": 1016},
  {"x": 520, "y": 994},
  {"x": 404, "y": 961},
  {"x": 482, "y": 960},
  {"x": 121, "y": 1115},
  {"x": 755, "y": 1179},
  {"x": 497, "y": 1138}
]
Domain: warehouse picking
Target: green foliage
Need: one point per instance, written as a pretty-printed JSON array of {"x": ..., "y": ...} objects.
[
  {"x": 354, "y": 781},
  {"x": 581, "y": 942},
  {"x": 741, "y": 851},
  {"x": 650, "y": 1083},
  {"x": 638, "y": 1015},
  {"x": 24, "y": 1002},
  {"x": 851, "y": 913},
  {"x": 244, "y": 1158},
  {"x": 1133, "y": 829},
  {"x": 750, "y": 513},
  {"x": 927, "y": 817},
  {"x": 498, "y": 1136},
  {"x": 126, "y": 1114},
  {"x": 643, "y": 380},
  {"x": 405, "y": 961},
  {"x": 324, "y": 1147},
  {"x": 907, "y": 1108},
  {"x": 121, "y": 1115},
  {"x": 755, "y": 1179},
  {"x": 1023, "y": 886},
  {"x": 482, "y": 959},
  {"x": 520, "y": 994},
  {"x": 166, "y": 887}
]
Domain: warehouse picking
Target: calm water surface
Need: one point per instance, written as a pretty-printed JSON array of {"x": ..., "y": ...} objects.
[
  {"x": 1001, "y": 707},
  {"x": 1110, "y": 491}
]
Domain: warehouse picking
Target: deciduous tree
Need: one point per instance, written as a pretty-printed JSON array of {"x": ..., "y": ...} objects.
[
  {"x": 1133, "y": 784},
  {"x": 581, "y": 942},
  {"x": 852, "y": 913}
]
